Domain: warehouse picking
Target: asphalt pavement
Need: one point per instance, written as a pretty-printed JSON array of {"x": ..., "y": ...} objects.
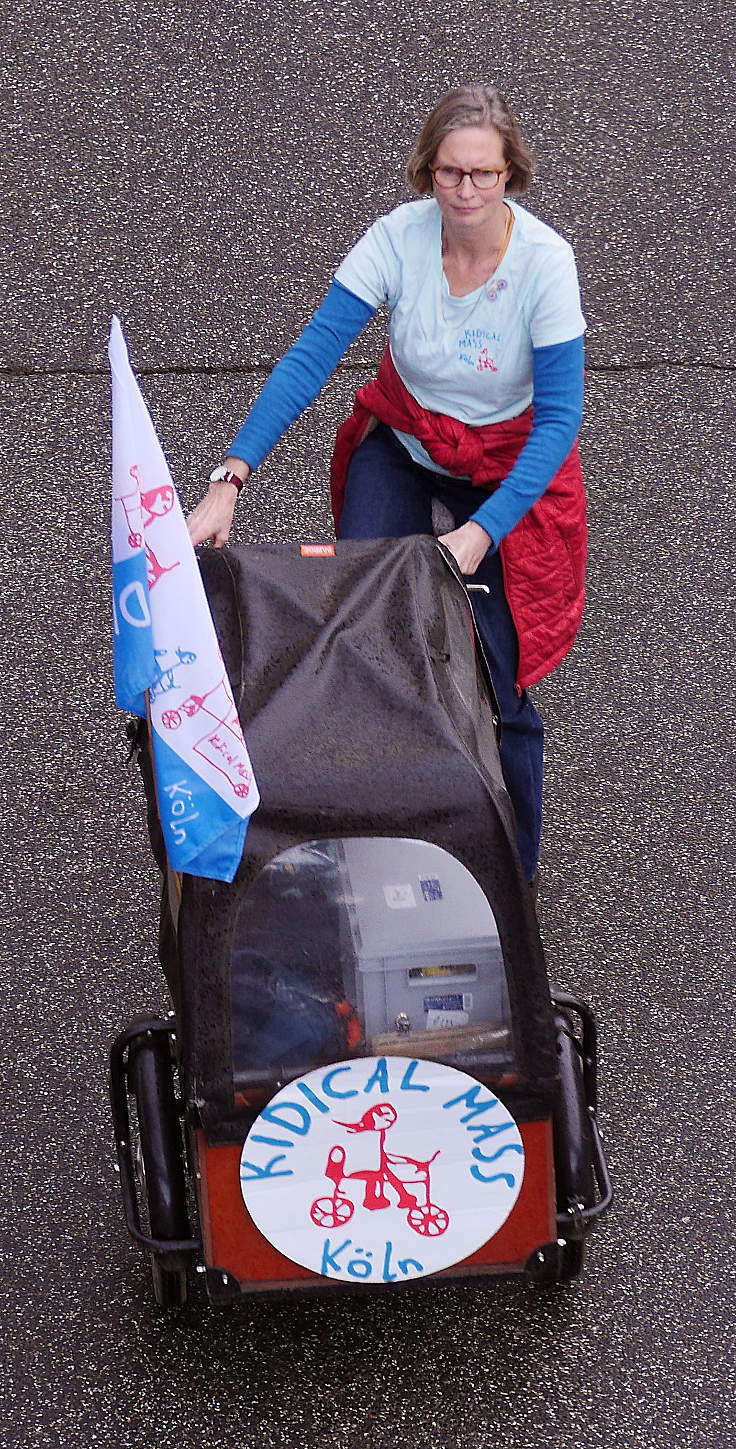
[{"x": 200, "y": 171}]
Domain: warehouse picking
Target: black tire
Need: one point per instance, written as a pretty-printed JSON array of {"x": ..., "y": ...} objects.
[
  {"x": 169, "y": 1284},
  {"x": 573, "y": 1133},
  {"x": 573, "y": 1148},
  {"x": 161, "y": 1161}
]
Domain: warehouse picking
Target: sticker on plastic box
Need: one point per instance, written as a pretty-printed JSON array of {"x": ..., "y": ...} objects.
[
  {"x": 453, "y": 1001},
  {"x": 443, "y": 1011},
  {"x": 400, "y": 897},
  {"x": 440, "y": 1020},
  {"x": 431, "y": 890}
]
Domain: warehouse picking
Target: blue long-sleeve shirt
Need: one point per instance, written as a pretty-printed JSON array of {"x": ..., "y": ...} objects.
[{"x": 302, "y": 372}]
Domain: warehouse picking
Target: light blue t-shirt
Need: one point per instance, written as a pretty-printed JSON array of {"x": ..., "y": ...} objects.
[{"x": 468, "y": 356}]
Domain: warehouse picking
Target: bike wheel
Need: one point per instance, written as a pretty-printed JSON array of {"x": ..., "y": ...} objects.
[
  {"x": 331, "y": 1212},
  {"x": 429, "y": 1221},
  {"x": 159, "y": 1160}
]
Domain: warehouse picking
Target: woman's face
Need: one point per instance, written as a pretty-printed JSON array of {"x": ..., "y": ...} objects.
[{"x": 467, "y": 206}]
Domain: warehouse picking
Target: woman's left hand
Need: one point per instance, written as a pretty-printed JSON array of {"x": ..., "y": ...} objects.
[{"x": 468, "y": 545}]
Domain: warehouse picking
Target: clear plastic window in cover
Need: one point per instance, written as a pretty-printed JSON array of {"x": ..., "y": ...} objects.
[{"x": 366, "y": 947}]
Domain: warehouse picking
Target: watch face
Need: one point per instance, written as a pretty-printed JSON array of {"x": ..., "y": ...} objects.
[{"x": 217, "y": 474}]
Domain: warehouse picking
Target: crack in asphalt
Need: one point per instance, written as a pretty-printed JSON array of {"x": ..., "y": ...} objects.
[{"x": 253, "y": 369}]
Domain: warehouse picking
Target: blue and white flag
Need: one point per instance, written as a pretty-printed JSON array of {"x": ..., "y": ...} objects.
[{"x": 165, "y": 643}]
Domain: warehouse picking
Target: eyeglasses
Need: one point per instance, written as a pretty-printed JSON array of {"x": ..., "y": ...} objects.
[{"x": 482, "y": 177}]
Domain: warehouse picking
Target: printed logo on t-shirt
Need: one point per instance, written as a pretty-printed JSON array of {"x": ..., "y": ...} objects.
[{"x": 474, "y": 350}]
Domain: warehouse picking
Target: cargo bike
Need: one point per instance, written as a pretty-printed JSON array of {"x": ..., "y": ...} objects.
[{"x": 365, "y": 1077}]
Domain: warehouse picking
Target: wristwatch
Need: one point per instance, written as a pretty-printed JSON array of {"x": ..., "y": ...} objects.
[{"x": 223, "y": 475}]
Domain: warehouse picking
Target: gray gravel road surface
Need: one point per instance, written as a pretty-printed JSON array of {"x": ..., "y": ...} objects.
[{"x": 200, "y": 170}]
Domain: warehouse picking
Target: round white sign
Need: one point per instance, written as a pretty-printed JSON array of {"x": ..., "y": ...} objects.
[{"x": 381, "y": 1169}]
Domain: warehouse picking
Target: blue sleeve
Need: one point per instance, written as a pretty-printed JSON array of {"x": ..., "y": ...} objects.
[
  {"x": 558, "y": 411},
  {"x": 301, "y": 373}
]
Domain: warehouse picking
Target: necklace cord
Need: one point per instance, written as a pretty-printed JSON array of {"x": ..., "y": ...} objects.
[{"x": 500, "y": 254}]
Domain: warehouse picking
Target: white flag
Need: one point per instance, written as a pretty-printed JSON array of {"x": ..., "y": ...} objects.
[{"x": 165, "y": 642}]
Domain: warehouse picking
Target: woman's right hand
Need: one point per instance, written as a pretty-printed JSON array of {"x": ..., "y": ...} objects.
[{"x": 213, "y": 516}]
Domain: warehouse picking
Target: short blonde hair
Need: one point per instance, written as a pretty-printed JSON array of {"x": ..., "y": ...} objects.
[{"x": 472, "y": 105}]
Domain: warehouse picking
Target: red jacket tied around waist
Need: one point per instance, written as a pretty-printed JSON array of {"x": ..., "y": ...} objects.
[{"x": 543, "y": 557}]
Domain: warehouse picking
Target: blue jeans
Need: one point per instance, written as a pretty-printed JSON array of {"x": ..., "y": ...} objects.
[{"x": 388, "y": 495}]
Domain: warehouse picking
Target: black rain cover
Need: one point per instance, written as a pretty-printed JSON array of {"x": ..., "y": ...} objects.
[{"x": 365, "y": 714}]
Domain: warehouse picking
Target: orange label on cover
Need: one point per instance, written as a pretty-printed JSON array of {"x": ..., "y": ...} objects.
[{"x": 316, "y": 550}]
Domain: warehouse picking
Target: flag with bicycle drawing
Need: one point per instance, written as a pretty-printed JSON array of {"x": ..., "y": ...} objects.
[{"x": 165, "y": 648}]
